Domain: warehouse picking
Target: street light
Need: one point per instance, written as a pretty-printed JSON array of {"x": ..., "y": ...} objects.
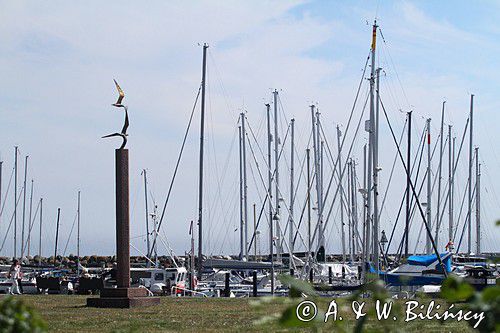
[{"x": 383, "y": 240}]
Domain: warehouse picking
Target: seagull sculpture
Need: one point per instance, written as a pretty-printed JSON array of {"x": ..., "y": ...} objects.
[
  {"x": 120, "y": 96},
  {"x": 123, "y": 134}
]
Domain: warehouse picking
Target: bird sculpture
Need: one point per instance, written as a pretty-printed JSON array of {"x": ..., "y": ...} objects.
[
  {"x": 120, "y": 96},
  {"x": 123, "y": 134}
]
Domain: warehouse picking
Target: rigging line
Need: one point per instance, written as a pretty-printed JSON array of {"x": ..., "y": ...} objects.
[
  {"x": 434, "y": 182},
  {"x": 468, "y": 218},
  {"x": 331, "y": 178},
  {"x": 218, "y": 195},
  {"x": 220, "y": 185},
  {"x": 267, "y": 193},
  {"x": 280, "y": 106},
  {"x": 421, "y": 147},
  {"x": 70, "y": 233},
  {"x": 302, "y": 165},
  {"x": 139, "y": 236},
  {"x": 257, "y": 143},
  {"x": 350, "y": 118},
  {"x": 7, "y": 191},
  {"x": 309, "y": 186},
  {"x": 31, "y": 224},
  {"x": 266, "y": 198},
  {"x": 429, "y": 233},
  {"x": 460, "y": 149},
  {"x": 260, "y": 174},
  {"x": 233, "y": 210},
  {"x": 334, "y": 166},
  {"x": 343, "y": 170},
  {"x": 142, "y": 254},
  {"x": 297, "y": 186},
  {"x": 279, "y": 189},
  {"x": 10, "y": 223},
  {"x": 177, "y": 164},
  {"x": 485, "y": 168},
  {"x": 304, "y": 207},
  {"x": 334, "y": 226},
  {"x": 436, "y": 179},
  {"x": 260, "y": 150},
  {"x": 412, "y": 204},
  {"x": 394, "y": 66},
  {"x": 297, "y": 232},
  {"x": 218, "y": 76},
  {"x": 460, "y": 212},
  {"x": 454, "y": 169},
  {"x": 382, "y": 206},
  {"x": 228, "y": 214},
  {"x": 252, "y": 172},
  {"x": 279, "y": 155},
  {"x": 166, "y": 243}
]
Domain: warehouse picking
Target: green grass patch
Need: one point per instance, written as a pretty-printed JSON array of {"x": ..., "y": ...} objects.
[{"x": 65, "y": 313}]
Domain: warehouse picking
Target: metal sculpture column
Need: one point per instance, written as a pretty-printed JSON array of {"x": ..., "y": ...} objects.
[
  {"x": 122, "y": 219},
  {"x": 123, "y": 296}
]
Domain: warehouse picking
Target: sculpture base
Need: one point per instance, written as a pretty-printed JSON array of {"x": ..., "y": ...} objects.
[{"x": 122, "y": 298}]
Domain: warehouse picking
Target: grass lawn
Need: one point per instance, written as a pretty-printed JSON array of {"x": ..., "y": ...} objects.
[{"x": 68, "y": 314}]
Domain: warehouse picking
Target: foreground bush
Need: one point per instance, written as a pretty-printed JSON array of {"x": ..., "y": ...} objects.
[{"x": 17, "y": 317}]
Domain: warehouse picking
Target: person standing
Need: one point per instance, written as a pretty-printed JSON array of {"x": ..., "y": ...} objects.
[{"x": 15, "y": 276}]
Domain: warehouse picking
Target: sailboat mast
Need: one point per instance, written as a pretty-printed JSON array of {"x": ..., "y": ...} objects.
[
  {"x": 270, "y": 195},
  {"x": 478, "y": 203},
  {"x": 309, "y": 241},
  {"x": 429, "y": 190},
  {"x": 469, "y": 210},
  {"x": 450, "y": 184},
  {"x": 255, "y": 232},
  {"x": 277, "y": 177},
  {"x": 408, "y": 180},
  {"x": 350, "y": 210},
  {"x": 452, "y": 197},
  {"x": 245, "y": 187},
  {"x": 191, "y": 259},
  {"x": 316, "y": 173},
  {"x": 15, "y": 201},
  {"x": 57, "y": 234},
  {"x": 1, "y": 167},
  {"x": 29, "y": 219},
  {"x": 78, "y": 237},
  {"x": 371, "y": 131},
  {"x": 365, "y": 256},
  {"x": 290, "y": 220},
  {"x": 40, "y": 234},
  {"x": 438, "y": 208},
  {"x": 24, "y": 204},
  {"x": 356, "y": 238},
  {"x": 376, "y": 249},
  {"x": 242, "y": 222},
  {"x": 200, "y": 188},
  {"x": 148, "y": 244},
  {"x": 339, "y": 163}
]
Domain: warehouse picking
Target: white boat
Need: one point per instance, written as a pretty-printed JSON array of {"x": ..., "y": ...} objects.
[{"x": 160, "y": 280}]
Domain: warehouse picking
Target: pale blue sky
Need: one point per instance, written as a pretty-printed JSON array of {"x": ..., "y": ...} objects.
[{"x": 58, "y": 59}]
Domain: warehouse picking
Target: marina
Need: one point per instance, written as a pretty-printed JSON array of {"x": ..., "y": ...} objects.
[{"x": 278, "y": 197}]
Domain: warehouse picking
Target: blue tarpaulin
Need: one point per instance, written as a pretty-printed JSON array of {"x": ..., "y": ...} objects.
[{"x": 425, "y": 260}]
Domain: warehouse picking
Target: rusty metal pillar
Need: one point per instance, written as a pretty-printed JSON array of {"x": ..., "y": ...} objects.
[{"x": 122, "y": 219}]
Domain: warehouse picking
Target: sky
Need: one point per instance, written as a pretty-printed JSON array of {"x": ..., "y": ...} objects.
[{"x": 58, "y": 60}]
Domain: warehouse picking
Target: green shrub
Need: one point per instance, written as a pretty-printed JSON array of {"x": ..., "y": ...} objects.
[{"x": 17, "y": 317}]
